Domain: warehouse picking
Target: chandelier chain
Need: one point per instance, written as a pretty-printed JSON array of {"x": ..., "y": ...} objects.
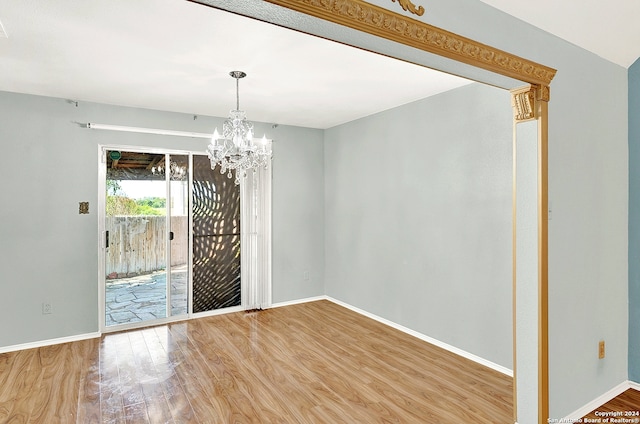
[{"x": 237, "y": 93}]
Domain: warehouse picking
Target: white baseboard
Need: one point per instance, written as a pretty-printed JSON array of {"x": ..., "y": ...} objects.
[
  {"x": 49, "y": 342},
  {"x": 298, "y": 301},
  {"x": 427, "y": 339},
  {"x": 406, "y": 330},
  {"x": 601, "y": 400}
]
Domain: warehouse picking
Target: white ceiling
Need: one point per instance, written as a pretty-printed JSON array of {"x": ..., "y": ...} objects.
[
  {"x": 607, "y": 28},
  {"x": 178, "y": 57}
]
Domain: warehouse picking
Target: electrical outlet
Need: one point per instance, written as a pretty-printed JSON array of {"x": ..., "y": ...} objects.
[
  {"x": 305, "y": 276},
  {"x": 601, "y": 349},
  {"x": 47, "y": 308}
]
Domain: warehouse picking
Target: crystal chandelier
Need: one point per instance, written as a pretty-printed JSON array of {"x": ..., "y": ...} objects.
[{"x": 236, "y": 149}]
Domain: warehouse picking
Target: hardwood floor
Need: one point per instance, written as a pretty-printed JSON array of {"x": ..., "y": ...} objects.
[
  {"x": 625, "y": 406},
  {"x": 310, "y": 363}
]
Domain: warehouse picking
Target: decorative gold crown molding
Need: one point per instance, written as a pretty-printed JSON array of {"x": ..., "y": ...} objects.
[
  {"x": 375, "y": 20},
  {"x": 407, "y": 5}
]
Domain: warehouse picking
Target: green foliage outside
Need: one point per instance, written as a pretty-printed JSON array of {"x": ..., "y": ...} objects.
[
  {"x": 148, "y": 210},
  {"x": 119, "y": 204},
  {"x": 154, "y": 202}
]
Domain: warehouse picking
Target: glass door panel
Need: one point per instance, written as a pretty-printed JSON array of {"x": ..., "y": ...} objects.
[
  {"x": 179, "y": 236},
  {"x": 136, "y": 238},
  {"x": 216, "y": 238}
]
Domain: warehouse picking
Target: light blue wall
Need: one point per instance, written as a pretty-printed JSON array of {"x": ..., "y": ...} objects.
[
  {"x": 48, "y": 251},
  {"x": 418, "y": 217},
  {"x": 298, "y": 213},
  {"x": 634, "y": 222}
]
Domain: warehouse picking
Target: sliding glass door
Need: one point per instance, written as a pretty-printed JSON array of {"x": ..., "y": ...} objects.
[{"x": 171, "y": 228}]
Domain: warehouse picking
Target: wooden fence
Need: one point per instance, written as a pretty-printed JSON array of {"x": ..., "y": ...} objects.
[{"x": 137, "y": 244}]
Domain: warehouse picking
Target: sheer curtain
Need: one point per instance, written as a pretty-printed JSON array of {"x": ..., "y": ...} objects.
[{"x": 255, "y": 229}]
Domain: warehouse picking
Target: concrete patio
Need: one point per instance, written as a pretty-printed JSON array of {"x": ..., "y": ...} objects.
[{"x": 143, "y": 298}]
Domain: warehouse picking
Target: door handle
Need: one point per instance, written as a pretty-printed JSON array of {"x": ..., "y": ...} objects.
[
  {"x": 106, "y": 243},
  {"x": 170, "y": 235}
]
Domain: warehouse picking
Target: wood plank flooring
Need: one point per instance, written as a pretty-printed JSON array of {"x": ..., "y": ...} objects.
[
  {"x": 625, "y": 406},
  {"x": 310, "y": 363}
]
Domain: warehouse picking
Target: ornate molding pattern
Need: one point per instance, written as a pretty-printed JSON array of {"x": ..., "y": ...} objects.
[
  {"x": 523, "y": 101},
  {"x": 375, "y": 20},
  {"x": 408, "y": 6},
  {"x": 543, "y": 93}
]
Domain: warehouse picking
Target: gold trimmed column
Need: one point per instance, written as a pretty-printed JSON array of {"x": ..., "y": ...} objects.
[
  {"x": 542, "y": 107},
  {"x": 531, "y": 103}
]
